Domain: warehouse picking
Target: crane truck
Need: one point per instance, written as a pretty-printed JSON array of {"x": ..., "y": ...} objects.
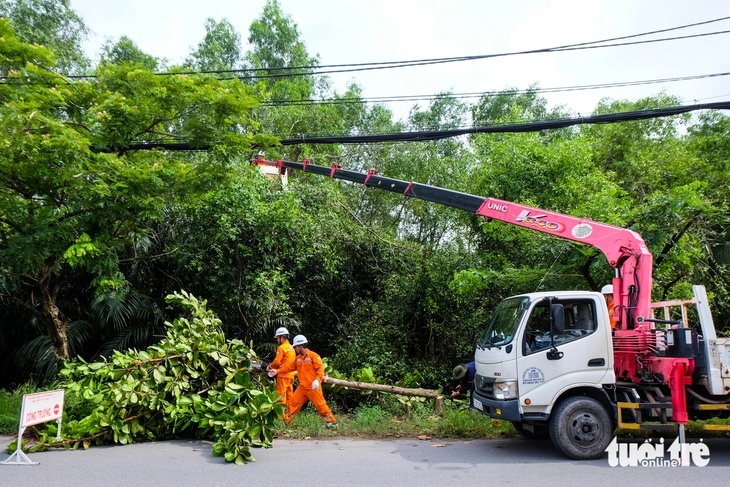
[{"x": 556, "y": 364}]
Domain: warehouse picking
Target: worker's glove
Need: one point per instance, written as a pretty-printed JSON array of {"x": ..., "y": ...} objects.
[
  {"x": 315, "y": 384},
  {"x": 272, "y": 373}
]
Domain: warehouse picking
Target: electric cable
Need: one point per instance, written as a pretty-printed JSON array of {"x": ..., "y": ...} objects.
[
  {"x": 430, "y": 135},
  {"x": 286, "y": 71},
  {"x": 471, "y": 95}
]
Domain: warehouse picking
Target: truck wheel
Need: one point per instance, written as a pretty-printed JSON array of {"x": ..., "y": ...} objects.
[
  {"x": 539, "y": 431},
  {"x": 581, "y": 428}
]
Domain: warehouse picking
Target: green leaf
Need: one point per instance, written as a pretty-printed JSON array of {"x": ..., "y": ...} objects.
[
  {"x": 255, "y": 431},
  {"x": 158, "y": 376}
]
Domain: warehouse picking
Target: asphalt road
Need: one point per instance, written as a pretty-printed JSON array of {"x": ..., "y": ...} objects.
[{"x": 347, "y": 461}]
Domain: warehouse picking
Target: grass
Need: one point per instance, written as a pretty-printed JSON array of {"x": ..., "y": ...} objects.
[
  {"x": 10, "y": 404},
  {"x": 379, "y": 421}
]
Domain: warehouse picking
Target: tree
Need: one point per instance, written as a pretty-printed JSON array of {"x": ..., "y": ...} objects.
[
  {"x": 708, "y": 140},
  {"x": 53, "y": 24},
  {"x": 279, "y": 56},
  {"x": 220, "y": 49},
  {"x": 126, "y": 51},
  {"x": 253, "y": 248},
  {"x": 511, "y": 106},
  {"x": 276, "y": 44},
  {"x": 665, "y": 186},
  {"x": 442, "y": 163},
  {"x": 295, "y": 103},
  {"x": 72, "y": 196}
]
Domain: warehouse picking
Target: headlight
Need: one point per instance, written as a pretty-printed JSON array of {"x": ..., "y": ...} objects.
[{"x": 505, "y": 390}]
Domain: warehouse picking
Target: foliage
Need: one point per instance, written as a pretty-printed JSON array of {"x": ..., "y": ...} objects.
[
  {"x": 194, "y": 380},
  {"x": 412, "y": 325},
  {"x": 72, "y": 197},
  {"x": 276, "y": 46},
  {"x": 11, "y": 403},
  {"x": 247, "y": 246},
  {"x": 381, "y": 283},
  {"x": 125, "y": 51},
  {"x": 53, "y": 24},
  {"x": 219, "y": 50}
]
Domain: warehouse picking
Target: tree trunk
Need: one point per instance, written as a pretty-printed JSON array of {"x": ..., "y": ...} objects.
[
  {"x": 368, "y": 386},
  {"x": 55, "y": 325},
  {"x": 427, "y": 393}
]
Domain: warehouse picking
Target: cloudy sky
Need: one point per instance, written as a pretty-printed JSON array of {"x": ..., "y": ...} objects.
[{"x": 363, "y": 31}]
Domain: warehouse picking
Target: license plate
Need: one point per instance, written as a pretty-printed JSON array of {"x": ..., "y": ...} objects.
[{"x": 478, "y": 405}]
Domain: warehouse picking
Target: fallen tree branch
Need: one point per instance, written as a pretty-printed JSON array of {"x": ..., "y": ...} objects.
[
  {"x": 403, "y": 391},
  {"x": 368, "y": 386}
]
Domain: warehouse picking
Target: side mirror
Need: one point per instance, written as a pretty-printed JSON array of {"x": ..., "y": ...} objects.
[
  {"x": 557, "y": 319},
  {"x": 557, "y": 327}
]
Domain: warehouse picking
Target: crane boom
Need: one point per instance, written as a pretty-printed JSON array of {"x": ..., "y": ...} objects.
[{"x": 624, "y": 249}]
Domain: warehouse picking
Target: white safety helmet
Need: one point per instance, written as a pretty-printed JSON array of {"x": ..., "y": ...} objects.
[
  {"x": 299, "y": 340},
  {"x": 281, "y": 331},
  {"x": 607, "y": 289}
]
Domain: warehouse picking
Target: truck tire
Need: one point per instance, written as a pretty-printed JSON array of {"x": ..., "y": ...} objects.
[
  {"x": 540, "y": 432},
  {"x": 581, "y": 428}
]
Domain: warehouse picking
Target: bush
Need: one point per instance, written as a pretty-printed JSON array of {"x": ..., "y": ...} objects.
[
  {"x": 194, "y": 381},
  {"x": 10, "y": 404}
]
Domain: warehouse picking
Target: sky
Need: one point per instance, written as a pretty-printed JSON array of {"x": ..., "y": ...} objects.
[{"x": 363, "y": 31}]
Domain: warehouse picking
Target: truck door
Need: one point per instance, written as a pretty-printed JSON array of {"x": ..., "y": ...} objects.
[{"x": 583, "y": 358}]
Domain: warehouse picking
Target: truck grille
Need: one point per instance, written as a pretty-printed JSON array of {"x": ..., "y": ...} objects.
[{"x": 484, "y": 386}]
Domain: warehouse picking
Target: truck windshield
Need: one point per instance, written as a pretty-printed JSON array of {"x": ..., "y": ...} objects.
[{"x": 503, "y": 325}]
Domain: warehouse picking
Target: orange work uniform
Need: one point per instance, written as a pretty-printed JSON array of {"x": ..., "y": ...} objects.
[
  {"x": 284, "y": 382},
  {"x": 309, "y": 368},
  {"x": 612, "y": 313}
]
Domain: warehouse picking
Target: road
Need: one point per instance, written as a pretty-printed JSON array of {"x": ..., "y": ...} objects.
[{"x": 347, "y": 461}]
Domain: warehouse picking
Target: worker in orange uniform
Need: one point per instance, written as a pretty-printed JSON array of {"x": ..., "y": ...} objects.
[
  {"x": 285, "y": 356},
  {"x": 607, "y": 292},
  {"x": 310, "y": 371}
]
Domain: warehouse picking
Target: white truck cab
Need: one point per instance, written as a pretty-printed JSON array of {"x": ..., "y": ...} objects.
[{"x": 537, "y": 349}]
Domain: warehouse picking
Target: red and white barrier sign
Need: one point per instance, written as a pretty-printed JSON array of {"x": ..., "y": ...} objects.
[
  {"x": 41, "y": 407},
  {"x": 37, "y": 408}
]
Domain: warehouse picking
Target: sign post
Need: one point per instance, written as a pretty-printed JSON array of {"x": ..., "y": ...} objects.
[{"x": 37, "y": 408}]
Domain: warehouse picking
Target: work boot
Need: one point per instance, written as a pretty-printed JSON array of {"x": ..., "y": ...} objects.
[{"x": 332, "y": 425}]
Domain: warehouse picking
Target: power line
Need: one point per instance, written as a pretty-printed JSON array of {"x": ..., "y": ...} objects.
[
  {"x": 470, "y": 95},
  {"x": 444, "y": 134},
  {"x": 510, "y": 128},
  {"x": 317, "y": 70},
  {"x": 417, "y": 62}
]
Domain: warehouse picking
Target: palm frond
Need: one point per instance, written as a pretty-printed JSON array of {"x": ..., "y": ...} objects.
[
  {"x": 118, "y": 308},
  {"x": 81, "y": 335},
  {"x": 37, "y": 357},
  {"x": 139, "y": 337}
]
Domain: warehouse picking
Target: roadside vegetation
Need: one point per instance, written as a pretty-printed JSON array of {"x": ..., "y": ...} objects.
[
  {"x": 122, "y": 187},
  {"x": 383, "y": 419},
  {"x": 387, "y": 418}
]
